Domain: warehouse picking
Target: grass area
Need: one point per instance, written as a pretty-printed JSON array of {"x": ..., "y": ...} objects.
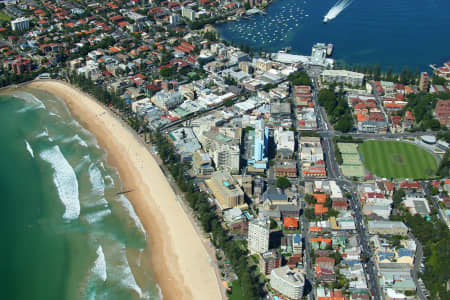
[
  {"x": 4, "y": 17},
  {"x": 237, "y": 293},
  {"x": 352, "y": 171},
  {"x": 391, "y": 159},
  {"x": 351, "y": 162}
]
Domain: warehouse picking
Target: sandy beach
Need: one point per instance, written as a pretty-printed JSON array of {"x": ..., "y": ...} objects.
[{"x": 178, "y": 257}]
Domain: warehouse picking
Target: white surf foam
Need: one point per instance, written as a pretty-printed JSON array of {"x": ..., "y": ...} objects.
[
  {"x": 53, "y": 114},
  {"x": 86, "y": 159},
  {"x": 99, "y": 267},
  {"x": 84, "y": 130},
  {"x": 29, "y": 98},
  {"x": 65, "y": 180},
  {"x": 127, "y": 205},
  {"x": 76, "y": 138},
  {"x": 160, "y": 294},
  {"x": 44, "y": 133},
  {"x": 110, "y": 179},
  {"x": 96, "y": 216},
  {"x": 29, "y": 149},
  {"x": 128, "y": 277},
  {"x": 96, "y": 179}
]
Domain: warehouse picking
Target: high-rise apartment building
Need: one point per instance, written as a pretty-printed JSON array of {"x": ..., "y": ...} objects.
[
  {"x": 424, "y": 81},
  {"x": 258, "y": 235}
]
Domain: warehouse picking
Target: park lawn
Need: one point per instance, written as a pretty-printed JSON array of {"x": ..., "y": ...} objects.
[
  {"x": 391, "y": 159},
  {"x": 237, "y": 293},
  {"x": 4, "y": 17}
]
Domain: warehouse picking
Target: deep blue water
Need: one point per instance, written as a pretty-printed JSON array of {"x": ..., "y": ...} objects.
[{"x": 392, "y": 33}]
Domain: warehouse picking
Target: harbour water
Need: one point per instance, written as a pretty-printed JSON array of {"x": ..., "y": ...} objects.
[
  {"x": 67, "y": 234},
  {"x": 397, "y": 33}
]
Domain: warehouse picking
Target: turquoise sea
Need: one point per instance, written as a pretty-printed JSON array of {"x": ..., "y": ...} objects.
[
  {"x": 392, "y": 33},
  {"x": 66, "y": 233}
]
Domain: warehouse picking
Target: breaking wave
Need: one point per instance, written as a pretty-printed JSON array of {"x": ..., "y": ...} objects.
[
  {"x": 34, "y": 102},
  {"x": 127, "y": 205},
  {"x": 96, "y": 179},
  {"x": 128, "y": 277},
  {"x": 65, "y": 180},
  {"x": 76, "y": 138},
  {"x": 160, "y": 294},
  {"x": 96, "y": 216},
  {"x": 29, "y": 149},
  {"x": 99, "y": 267}
]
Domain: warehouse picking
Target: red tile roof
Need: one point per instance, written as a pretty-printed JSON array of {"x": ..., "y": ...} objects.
[
  {"x": 321, "y": 198},
  {"x": 290, "y": 222}
]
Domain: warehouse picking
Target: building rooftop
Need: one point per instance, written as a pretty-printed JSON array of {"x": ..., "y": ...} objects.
[{"x": 293, "y": 276}]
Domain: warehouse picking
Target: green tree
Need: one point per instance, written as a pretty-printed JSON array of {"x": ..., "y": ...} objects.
[
  {"x": 377, "y": 72},
  {"x": 398, "y": 198},
  {"x": 166, "y": 72},
  {"x": 283, "y": 182},
  {"x": 309, "y": 213},
  {"x": 438, "y": 80},
  {"x": 310, "y": 199},
  {"x": 389, "y": 74},
  {"x": 273, "y": 224},
  {"x": 299, "y": 78}
]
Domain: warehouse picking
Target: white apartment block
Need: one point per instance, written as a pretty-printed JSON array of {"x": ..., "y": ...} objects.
[
  {"x": 285, "y": 139},
  {"x": 223, "y": 150},
  {"x": 288, "y": 282},
  {"x": 20, "y": 24},
  {"x": 188, "y": 13},
  {"x": 342, "y": 76},
  {"x": 258, "y": 236},
  {"x": 227, "y": 157}
]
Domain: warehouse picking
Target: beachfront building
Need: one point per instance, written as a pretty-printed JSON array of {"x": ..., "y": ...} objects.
[
  {"x": 184, "y": 142},
  {"x": 287, "y": 281},
  {"x": 268, "y": 261},
  {"x": 342, "y": 76},
  {"x": 258, "y": 235},
  {"x": 202, "y": 164},
  {"x": 225, "y": 189},
  {"x": 259, "y": 139}
]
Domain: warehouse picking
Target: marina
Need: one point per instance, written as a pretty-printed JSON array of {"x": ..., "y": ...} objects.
[{"x": 361, "y": 32}]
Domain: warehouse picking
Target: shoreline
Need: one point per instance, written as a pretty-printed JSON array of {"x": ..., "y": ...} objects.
[{"x": 181, "y": 272}]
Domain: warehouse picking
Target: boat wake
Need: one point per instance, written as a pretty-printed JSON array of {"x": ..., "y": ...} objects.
[{"x": 336, "y": 10}]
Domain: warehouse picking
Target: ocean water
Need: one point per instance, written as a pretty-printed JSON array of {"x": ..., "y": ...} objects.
[
  {"x": 66, "y": 234},
  {"x": 392, "y": 33}
]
